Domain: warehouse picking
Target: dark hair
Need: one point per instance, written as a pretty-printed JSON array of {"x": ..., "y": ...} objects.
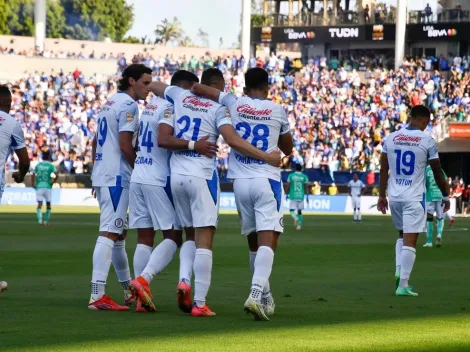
[
  {"x": 183, "y": 76},
  {"x": 419, "y": 111},
  {"x": 135, "y": 71},
  {"x": 5, "y": 92},
  {"x": 256, "y": 78},
  {"x": 212, "y": 76},
  {"x": 46, "y": 155},
  {"x": 298, "y": 167}
]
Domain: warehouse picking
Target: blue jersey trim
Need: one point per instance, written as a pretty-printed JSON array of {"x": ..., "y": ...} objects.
[
  {"x": 167, "y": 189},
  {"x": 116, "y": 192},
  {"x": 171, "y": 101},
  {"x": 276, "y": 187},
  {"x": 412, "y": 128},
  {"x": 213, "y": 187},
  {"x": 423, "y": 201},
  {"x": 14, "y": 143}
]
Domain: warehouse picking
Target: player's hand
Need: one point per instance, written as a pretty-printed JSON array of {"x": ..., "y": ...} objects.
[
  {"x": 273, "y": 158},
  {"x": 445, "y": 205},
  {"x": 205, "y": 147},
  {"x": 93, "y": 192},
  {"x": 17, "y": 177},
  {"x": 382, "y": 205}
]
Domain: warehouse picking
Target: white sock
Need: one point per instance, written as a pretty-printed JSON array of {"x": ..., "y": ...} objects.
[
  {"x": 101, "y": 264},
  {"x": 141, "y": 258},
  {"x": 354, "y": 214},
  {"x": 202, "y": 275},
  {"x": 187, "y": 254},
  {"x": 408, "y": 257},
  {"x": 398, "y": 248},
  {"x": 263, "y": 267},
  {"x": 160, "y": 258},
  {"x": 359, "y": 215},
  {"x": 267, "y": 288},
  {"x": 121, "y": 264}
]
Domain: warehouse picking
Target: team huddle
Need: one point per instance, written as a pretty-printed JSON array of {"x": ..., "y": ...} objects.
[{"x": 160, "y": 168}]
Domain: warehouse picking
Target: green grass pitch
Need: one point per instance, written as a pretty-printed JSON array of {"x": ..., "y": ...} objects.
[{"x": 333, "y": 285}]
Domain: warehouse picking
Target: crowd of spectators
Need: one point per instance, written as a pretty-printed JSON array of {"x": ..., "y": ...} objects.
[{"x": 339, "y": 114}]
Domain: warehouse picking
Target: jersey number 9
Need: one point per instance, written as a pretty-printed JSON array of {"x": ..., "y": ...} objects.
[{"x": 102, "y": 131}]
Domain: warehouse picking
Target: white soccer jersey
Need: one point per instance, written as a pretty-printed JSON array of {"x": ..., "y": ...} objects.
[
  {"x": 260, "y": 122},
  {"x": 119, "y": 114},
  {"x": 194, "y": 118},
  {"x": 11, "y": 137},
  {"x": 408, "y": 151},
  {"x": 151, "y": 165},
  {"x": 356, "y": 187}
]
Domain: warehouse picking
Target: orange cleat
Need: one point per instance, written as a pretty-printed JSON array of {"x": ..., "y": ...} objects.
[
  {"x": 129, "y": 298},
  {"x": 106, "y": 303},
  {"x": 140, "y": 288},
  {"x": 183, "y": 293},
  {"x": 139, "y": 308},
  {"x": 202, "y": 311}
]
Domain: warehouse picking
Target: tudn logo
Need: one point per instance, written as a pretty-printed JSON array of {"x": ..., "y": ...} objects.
[{"x": 344, "y": 32}]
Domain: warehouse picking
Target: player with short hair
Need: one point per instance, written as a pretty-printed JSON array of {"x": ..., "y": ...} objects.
[
  {"x": 194, "y": 180},
  {"x": 405, "y": 154},
  {"x": 151, "y": 202},
  {"x": 433, "y": 205},
  {"x": 257, "y": 185},
  {"x": 297, "y": 188},
  {"x": 11, "y": 138},
  {"x": 114, "y": 157},
  {"x": 356, "y": 190},
  {"x": 42, "y": 180}
]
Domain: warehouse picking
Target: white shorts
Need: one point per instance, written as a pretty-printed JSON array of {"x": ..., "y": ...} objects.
[
  {"x": 260, "y": 204},
  {"x": 296, "y": 204},
  {"x": 409, "y": 217},
  {"x": 151, "y": 206},
  {"x": 113, "y": 202},
  {"x": 356, "y": 202},
  {"x": 43, "y": 195},
  {"x": 196, "y": 200},
  {"x": 435, "y": 207}
]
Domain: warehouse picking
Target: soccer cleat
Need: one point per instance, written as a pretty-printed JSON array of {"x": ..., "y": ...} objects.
[
  {"x": 139, "y": 308},
  {"x": 183, "y": 293},
  {"x": 296, "y": 221},
  {"x": 201, "y": 311},
  {"x": 451, "y": 222},
  {"x": 397, "y": 281},
  {"x": 268, "y": 305},
  {"x": 129, "y": 298},
  {"x": 106, "y": 303},
  {"x": 3, "y": 286},
  {"x": 429, "y": 245},
  {"x": 438, "y": 242},
  {"x": 255, "y": 308},
  {"x": 405, "y": 291},
  {"x": 140, "y": 289},
  {"x": 298, "y": 228}
]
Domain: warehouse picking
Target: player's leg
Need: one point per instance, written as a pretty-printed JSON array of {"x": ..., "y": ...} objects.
[
  {"x": 300, "y": 207},
  {"x": 47, "y": 196},
  {"x": 204, "y": 197},
  {"x": 103, "y": 252},
  {"x": 440, "y": 223},
  {"x": 40, "y": 200},
  {"x": 353, "y": 203},
  {"x": 293, "y": 207},
  {"x": 358, "y": 207},
  {"x": 449, "y": 217},
  {"x": 397, "y": 217},
  {"x": 429, "y": 228},
  {"x": 413, "y": 223}
]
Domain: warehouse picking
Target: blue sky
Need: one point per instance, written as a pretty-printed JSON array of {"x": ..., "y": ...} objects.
[{"x": 219, "y": 18}]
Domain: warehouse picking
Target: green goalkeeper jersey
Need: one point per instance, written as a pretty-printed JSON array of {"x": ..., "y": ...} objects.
[
  {"x": 433, "y": 193},
  {"x": 297, "y": 182},
  {"x": 44, "y": 173}
]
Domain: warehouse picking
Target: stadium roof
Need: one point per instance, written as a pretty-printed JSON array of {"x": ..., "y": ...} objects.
[{"x": 454, "y": 145}]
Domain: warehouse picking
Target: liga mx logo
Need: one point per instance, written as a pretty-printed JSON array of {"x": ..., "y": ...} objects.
[{"x": 119, "y": 223}]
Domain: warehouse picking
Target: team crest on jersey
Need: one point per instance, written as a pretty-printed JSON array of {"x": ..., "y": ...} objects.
[
  {"x": 227, "y": 114},
  {"x": 130, "y": 117},
  {"x": 119, "y": 223},
  {"x": 168, "y": 113}
]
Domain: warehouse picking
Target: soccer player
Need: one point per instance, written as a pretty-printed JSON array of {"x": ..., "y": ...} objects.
[
  {"x": 11, "y": 137},
  {"x": 297, "y": 187},
  {"x": 151, "y": 203},
  {"x": 194, "y": 180},
  {"x": 433, "y": 205},
  {"x": 114, "y": 157},
  {"x": 43, "y": 178},
  {"x": 356, "y": 190},
  {"x": 257, "y": 186},
  {"x": 405, "y": 154}
]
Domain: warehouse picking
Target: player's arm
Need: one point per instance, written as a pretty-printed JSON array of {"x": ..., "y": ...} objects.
[
  {"x": 127, "y": 149},
  {"x": 286, "y": 144},
  {"x": 33, "y": 179},
  {"x": 18, "y": 145},
  {"x": 93, "y": 149},
  {"x": 349, "y": 188},
  {"x": 306, "y": 187},
  {"x": 207, "y": 92},
  {"x": 382, "y": 204},
  {"x": 158, "y": 88},
  {"x": 287, "y": 184},
  {"x": 55, "y": 176},
  {"x": 127, "y": 120},
  {"x": 167, "y": 140},
  {"x": 363, "y": 189},
  {"x": 439, "y": 177}
]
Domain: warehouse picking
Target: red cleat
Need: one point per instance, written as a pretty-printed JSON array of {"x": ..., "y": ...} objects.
[
  {"x": 139, "y": 308},
  {"x": 451, "y": 222},
  {"x": 183, "y": 293},
  {"x": 129, "y": 298},
  {"x": 202, "y": 311},
  {"x": 106, "y": 303},
  {"x": 140, "y": 288}
]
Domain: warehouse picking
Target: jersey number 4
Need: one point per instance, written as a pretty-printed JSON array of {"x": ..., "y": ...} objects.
[
  {"x": 405, "y": 162},
  {"x": 145, "y": 137},
  {"x": 260, "y": 134}
]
